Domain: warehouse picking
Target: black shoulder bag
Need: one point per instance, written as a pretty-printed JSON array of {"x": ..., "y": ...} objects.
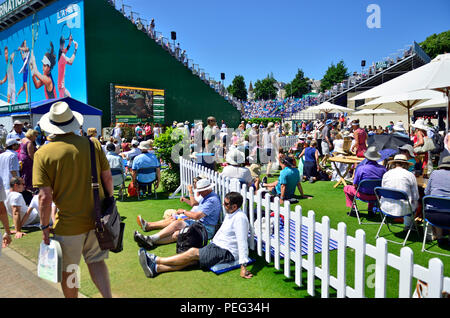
[{"x": 108, "y": 225}]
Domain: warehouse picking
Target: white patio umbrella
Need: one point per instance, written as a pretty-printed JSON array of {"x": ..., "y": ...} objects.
[
  {"x": 402, "y": 102},
  {"x": 373, "y": 112},
  {"x": 328, "y": 107},
  {"x": 433, "y": 103},
  {"x": 434, "y": 76}
]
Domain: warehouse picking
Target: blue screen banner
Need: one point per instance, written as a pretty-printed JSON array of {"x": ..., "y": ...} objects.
[{"x": 43, "y": 56}]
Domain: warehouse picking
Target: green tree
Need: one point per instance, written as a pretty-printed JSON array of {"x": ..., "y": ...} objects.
[
  {"x": 437, "y": 44},
  {"x": 334, "y": 74},
  {"x": 265, "y": 89},
  {"x": 238, "y": 88},
  {"x": 299, "y": 86}
]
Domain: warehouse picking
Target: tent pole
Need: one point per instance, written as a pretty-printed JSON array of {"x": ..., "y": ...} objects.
[{"x": 447, "y": 91}]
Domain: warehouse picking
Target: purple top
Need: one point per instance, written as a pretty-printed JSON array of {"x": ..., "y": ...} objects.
[{"x": 369, "y": 170}]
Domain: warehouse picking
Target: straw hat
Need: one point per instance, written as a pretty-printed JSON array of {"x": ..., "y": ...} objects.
[
  {"x": 255, "y": 170},
  {"x": 372, "y": 154},
  {"x": 400, "y": 159},
  {"x": 146, "y": 145},
  {"x": 235, "y": 157},
  {"x": 61, "y": 119}
]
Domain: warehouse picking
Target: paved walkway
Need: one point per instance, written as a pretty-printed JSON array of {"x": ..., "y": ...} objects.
[{"x": 18, "y": 278}]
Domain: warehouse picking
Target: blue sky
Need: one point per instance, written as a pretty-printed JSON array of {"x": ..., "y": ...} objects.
[{"x": 254, "y": 38}]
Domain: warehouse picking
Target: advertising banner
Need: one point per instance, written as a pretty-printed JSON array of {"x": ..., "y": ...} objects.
[
  {"x": 136, "y": 104},
  {"x": 43, "y": 56}
]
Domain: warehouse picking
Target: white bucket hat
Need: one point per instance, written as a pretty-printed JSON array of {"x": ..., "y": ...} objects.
[
  {"x": 420, "y": 124},
  {"x": 235, "y": 157},
  {"x": 399, "y": 126},
  {"x": 61, "y": 119},
  {"x": 203, "y": 185}
]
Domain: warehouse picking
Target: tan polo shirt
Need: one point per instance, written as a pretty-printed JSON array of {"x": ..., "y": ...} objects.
[{"x": 64, "y": 165}]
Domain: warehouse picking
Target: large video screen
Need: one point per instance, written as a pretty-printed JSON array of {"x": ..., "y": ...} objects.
[
  {"x": 136, "y": 104},
  {"x": 43, "y": 56}
]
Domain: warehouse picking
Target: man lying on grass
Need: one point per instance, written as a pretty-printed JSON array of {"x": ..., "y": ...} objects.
[{"x": 229, "y": 244}]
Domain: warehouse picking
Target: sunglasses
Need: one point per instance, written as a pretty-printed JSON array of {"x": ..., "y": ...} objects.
[{"x": 226, "y": 203}]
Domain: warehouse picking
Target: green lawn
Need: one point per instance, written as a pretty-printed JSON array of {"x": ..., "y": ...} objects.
[{"x": 128, "y": 279}]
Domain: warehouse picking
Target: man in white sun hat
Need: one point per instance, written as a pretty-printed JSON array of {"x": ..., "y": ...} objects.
[
  {"x": 207, "y": 213},
  {"x": 9, "y": 162},
  {"x": 62, "y": 172},
  {"x": 235, "y": 169},
  {"x": 399, "y": 130},
  {"x": 17, "y": 132}
]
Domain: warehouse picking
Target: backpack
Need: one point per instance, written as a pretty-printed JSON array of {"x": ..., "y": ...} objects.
[
  {"x": 194, "y": 235},
  {"x": 438, "y": 141}
]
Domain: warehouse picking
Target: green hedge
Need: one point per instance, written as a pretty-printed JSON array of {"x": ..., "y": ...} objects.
[{"x": 265, "y": 121}]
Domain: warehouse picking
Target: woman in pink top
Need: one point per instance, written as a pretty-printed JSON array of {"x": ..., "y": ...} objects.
[
  {"x": 360, "y": 139},
  {"x": 63, "y": 60}
]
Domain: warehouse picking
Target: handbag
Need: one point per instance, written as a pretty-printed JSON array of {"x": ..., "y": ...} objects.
[
  {"x": 428, "y": 145},
  {"x": 108, "y": 226},
  {"x": 132, "y": 190}
]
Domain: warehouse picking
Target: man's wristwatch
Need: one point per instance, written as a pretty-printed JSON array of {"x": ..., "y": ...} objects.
[{"x": 43, "y": 227}]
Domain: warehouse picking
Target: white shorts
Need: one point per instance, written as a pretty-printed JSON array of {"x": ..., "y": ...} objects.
[{"x": 325, "y": 148}]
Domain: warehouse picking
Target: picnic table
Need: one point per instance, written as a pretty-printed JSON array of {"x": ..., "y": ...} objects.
[{"x": 350, "y": 161}]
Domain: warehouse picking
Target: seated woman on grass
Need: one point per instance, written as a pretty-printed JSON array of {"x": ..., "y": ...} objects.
[{"x": 287, "y": 182}]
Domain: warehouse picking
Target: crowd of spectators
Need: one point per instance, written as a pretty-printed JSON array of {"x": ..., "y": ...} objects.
[{"x": 289, "y": 106}]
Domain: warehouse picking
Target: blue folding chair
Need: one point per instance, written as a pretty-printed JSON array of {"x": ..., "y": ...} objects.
[
  {"x": 396, "y": 195},
  {"x": 149, "y": 185},
  {"x": 368, "y": 183},
  {"x": 436, "y": 212}
]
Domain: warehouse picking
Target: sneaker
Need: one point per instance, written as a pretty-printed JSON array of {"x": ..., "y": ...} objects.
[
  {"x": 264, "y": 180},
  {"x": 147, "y": 264},
  {"x": 142, "y": 240},
  {"x": 141, "y": 222},
  {"x": 311, "y": 180}
]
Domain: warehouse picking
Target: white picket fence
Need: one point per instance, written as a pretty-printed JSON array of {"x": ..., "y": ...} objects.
[
  {"x": 287, "y": 141},
  {"x": 376, "y": 278}
]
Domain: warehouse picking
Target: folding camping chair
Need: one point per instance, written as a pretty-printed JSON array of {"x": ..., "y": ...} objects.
[
  {"x": 436, "y": 212},
  {"x": 396, "y": 195},
  {"x": 118, "y": 181},
  {"x": 368, "y": 183},
  {"x": 146, "y": 171}
]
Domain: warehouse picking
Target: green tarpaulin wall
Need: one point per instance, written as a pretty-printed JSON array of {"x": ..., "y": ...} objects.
[{"x": 117, "y": 52}]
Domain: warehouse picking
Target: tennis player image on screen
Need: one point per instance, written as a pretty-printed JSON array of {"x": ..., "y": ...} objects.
[
  {"x": 64, "y": 60},
  {"x": 129, "y": 101},
  {"x": 9, "y": 76},
  {"x": 45, "y": 79},
  {"x": 25, "y": 53}
]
